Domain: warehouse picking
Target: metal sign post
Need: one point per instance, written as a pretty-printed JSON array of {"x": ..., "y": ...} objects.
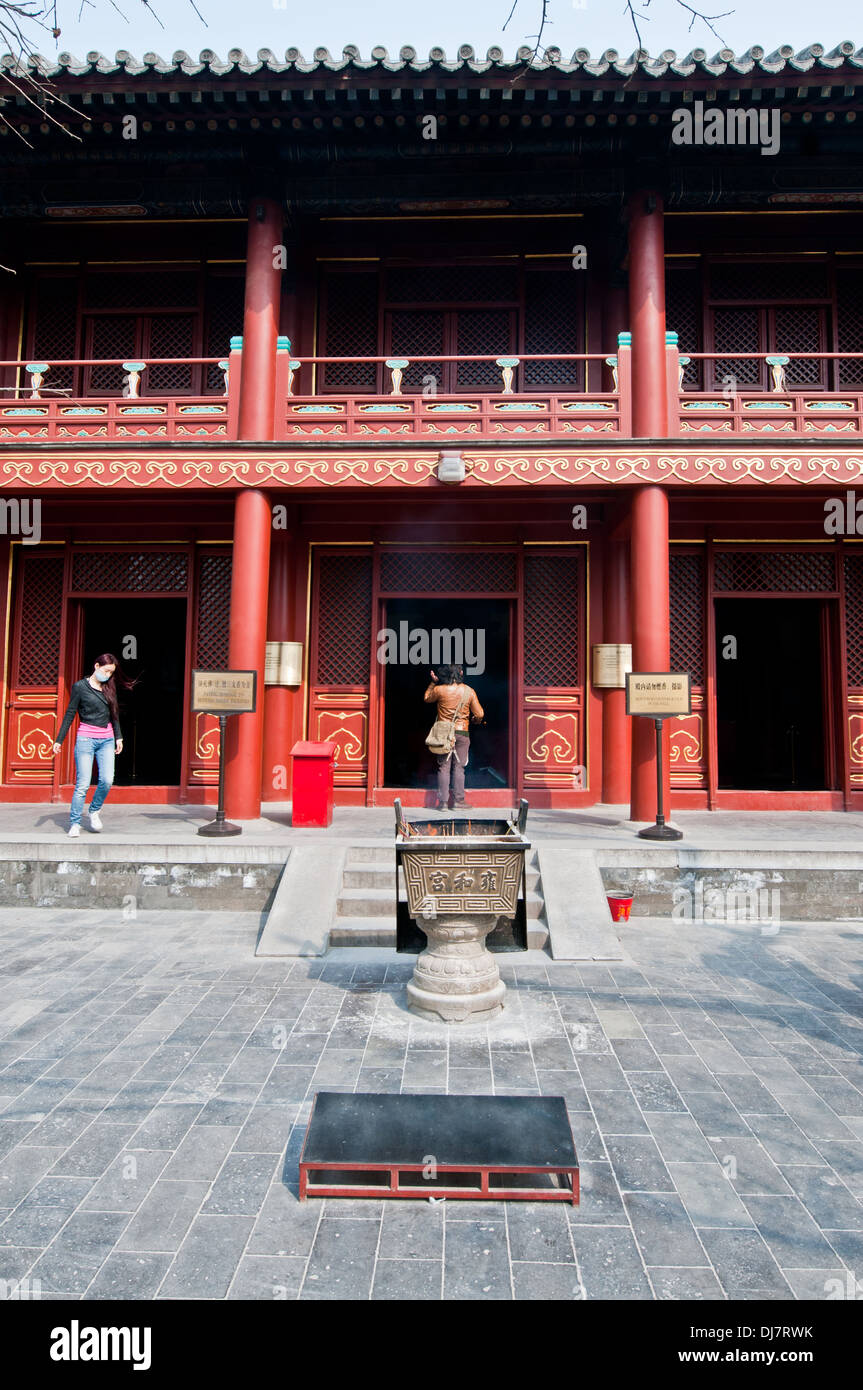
[
  {"x": 658, "y": 695},
  {"x": 223, "y": 693}
]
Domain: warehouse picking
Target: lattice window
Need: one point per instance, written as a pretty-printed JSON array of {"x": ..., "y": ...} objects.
[
  {"x": 344, "y": 619},
  {"x": 432, "y": 572},
  {"x": 483, "y": 331},
  {"x": 214, "y": 610},
  {"x": 146, "y": 289},
  {"x": 683, "y": 317},
  {"x": 55, "y": 329},
  {"x": 854, "y": 618},
  {"x": 40, "y": 619},
  {"x": 225, "y": 298},
  {"x": 687, "y": 595},
  {"x": 171, "y": 335},
  {"x": 453, "y": 285},
  {"x": 115, "y": 335},
  {"x": 553, "y": 323},
  {"x": 849, "y": 301},
  {"x": 737, "y": 329},
  {"x": 413, "y": 332},
  {"x": 759, "y": 571},
  {"x": 759, "y": 282},
  {"x": 552, "y": 588},
  {"x": 351, "y": 330},
  {"x": 802, "y": 329},
  {"x": 130, "y": 572}
]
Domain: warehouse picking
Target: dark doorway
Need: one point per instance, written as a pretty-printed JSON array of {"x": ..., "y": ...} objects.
[
  {"x": 770, "y": 700},
  {"x": 151, "y": 715},
  {"x": 407, "y": 720}
]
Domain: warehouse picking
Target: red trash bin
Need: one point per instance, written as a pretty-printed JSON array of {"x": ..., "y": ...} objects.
[{"x": 312, "y": 796}]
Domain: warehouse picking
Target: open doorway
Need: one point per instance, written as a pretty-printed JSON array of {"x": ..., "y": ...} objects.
[
  {"x": 770, "y": 663},
  {"x": 485, "y": 624},
  {"x": 151, "y": 715}
]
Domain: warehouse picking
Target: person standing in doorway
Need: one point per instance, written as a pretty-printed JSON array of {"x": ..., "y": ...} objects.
[
  {"x": 94, "y": 700},
  {"x": 455, "y": 700}
]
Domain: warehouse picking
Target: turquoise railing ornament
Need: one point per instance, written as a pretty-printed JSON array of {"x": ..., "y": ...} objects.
[
  {"x": 133, "y": 380},
  {"x": 37, "y": 372},
  {"x": 507, "y": 367},
  {"x": 397, "y": 366},
  {"x": 777, "y": 365}
]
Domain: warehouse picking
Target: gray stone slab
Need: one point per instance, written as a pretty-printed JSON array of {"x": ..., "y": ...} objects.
[
  {"x": 342, "y": 1260},
  {"x": 743, "y": 1263},
  {"x": 264, "y": 1278},
  {"x": 610, "y": 1263},
  {"x": 164, "y": 1217},
  {"x": 476, "y": 1262},
  {"x": 208, "y": 1257},
  {"x": 663, "y": 1229},
  {"x": 128, "y": 1276},
  {"x": 304, "y": 906},
  {"x": 576, "y": 908}
]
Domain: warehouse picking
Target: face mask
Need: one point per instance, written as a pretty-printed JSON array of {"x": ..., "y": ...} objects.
[{"x": 100, "y": 677}]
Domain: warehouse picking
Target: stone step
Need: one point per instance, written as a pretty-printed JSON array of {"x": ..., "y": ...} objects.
[
  {"x": 379, "y": 875},
  {"x": 372, "y": 902},
  {"x": 381, "y": 931}
]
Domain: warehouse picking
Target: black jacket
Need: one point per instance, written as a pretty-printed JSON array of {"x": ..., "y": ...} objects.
[{"x": 92, "y": 707}]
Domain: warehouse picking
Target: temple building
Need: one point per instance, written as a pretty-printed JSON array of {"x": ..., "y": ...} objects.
[{"x": 404, "y": 360}]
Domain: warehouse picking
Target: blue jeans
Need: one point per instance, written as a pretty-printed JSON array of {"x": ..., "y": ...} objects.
[{"x": 85, "y": 750}]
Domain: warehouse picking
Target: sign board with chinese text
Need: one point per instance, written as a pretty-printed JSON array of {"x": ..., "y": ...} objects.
[
  {"x": 224, "y": 692},
  {"x": 658, "y": 694}
]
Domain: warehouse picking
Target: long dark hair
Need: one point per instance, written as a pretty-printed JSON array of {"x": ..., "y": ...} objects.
[
  {"x": 451, "y": 675},
  {"x": 109, "y": 688}
]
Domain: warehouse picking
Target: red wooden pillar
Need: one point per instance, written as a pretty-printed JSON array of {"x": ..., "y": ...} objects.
[
  {"x": 647, "y": 316},
  {"x": 247, "y": 648},
  {"x": 616, "y": 731},
  {"x": 650, "y": 638},
  {"x": 278, "y": 699},
  {"x": 260, "y": 319},
  {"x": 649, "y": 549},
  {"x": 252, "y": 513}
]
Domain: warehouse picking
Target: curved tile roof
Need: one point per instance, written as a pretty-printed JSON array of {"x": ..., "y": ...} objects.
[{"x": 753, "y": 62}]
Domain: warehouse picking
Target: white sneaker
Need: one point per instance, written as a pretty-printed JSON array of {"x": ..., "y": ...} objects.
[
  {"x": 95, "y": 820},
  {"x": 74, "y": 831}
]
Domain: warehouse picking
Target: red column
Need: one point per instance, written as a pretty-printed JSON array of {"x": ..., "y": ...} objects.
[
  {"x": 649, "y": 551},
  {"x": 650, "y": 637},
  {"x": 260, "y": 319},
  {"x": 278, "y": 699},
  {"x": 647, "y": 316},
  {"x": 616, "y": 730},
  {"x": 248, "y": 637}
]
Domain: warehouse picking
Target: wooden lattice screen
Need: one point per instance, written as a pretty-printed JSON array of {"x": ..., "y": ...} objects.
[
  {"x": 688, "y": 653},
  {"x": 210, "y": 653},
  {"x": 340, "y": 661},
  {"x": 32, "y": 694},
  {"x": 853, "y": 582},
  {"x": 552, "y": 714}
]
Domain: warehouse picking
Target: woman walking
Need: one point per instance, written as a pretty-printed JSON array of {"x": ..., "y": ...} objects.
[
  {"x": 457, "y": 702},
  {"x": 94, "y": 700}
]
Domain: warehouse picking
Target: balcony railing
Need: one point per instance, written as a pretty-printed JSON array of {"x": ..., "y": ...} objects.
[
  {"x": 508, "y": 402},
  {"x": 512, "y": 401},
  {"x": 36, "y": 410},
  {"x": 740, "y": 409}
]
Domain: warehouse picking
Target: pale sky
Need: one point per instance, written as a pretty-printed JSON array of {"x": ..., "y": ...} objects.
[{"x": 592, "y": 24}]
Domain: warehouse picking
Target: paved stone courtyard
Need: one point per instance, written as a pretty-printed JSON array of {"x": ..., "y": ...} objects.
[{"x": 156, "y": 1078}]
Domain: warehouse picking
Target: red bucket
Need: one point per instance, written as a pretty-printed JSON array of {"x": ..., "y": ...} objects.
[{"x": 620, "y": 906}]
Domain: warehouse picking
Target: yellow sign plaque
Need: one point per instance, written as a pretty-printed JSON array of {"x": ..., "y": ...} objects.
[
  {"x": 658, "y": 694},
  {"x": 224, "y": 692},
  {"x": 611, "y": 662}
]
